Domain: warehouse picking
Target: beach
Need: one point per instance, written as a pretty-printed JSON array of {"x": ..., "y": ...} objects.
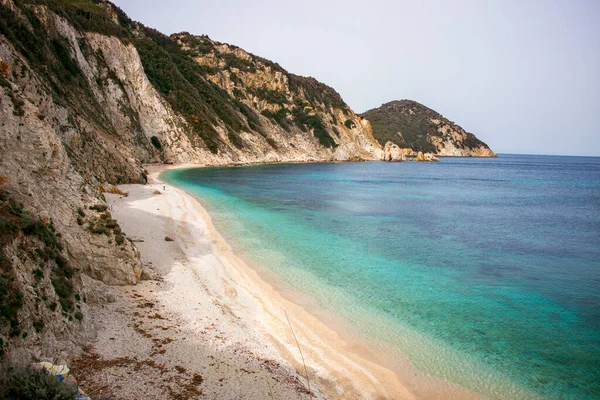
[{"x": 204, "y": 324}]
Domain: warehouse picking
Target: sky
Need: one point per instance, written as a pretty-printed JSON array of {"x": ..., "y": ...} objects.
[{"x": 523, "y": 76}]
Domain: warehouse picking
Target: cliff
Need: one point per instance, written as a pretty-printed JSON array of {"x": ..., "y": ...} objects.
[
  {"x": 88, "y": 96},
  {"x": 414, "y": 127}
]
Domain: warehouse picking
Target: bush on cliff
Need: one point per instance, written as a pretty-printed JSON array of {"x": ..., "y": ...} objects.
[{"x": 29, "y": 384}]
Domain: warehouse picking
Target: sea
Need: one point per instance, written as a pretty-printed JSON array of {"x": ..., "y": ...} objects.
[{"x": 482, "y": 272}]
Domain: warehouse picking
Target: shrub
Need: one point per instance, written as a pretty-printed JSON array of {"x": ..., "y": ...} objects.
[
  {"x": 61, "y": 260},
  {"x": 234, "y": 61},
  {"x": 280, "y": 116},
  {"x": 63, "y": 288},
  {"x": 350, "y": 124},
  {"x": 11, "y": 301},
  {"x": 272, "y": 143},
  {"x": 28, "y": 384},
  {"x": 236, "y": 140},
  {"x": 38, "y": 273},
  {"x": 271, "y": 96},
  {"x": 305, "y": 121},
  {"x": 99, "y": 207},
  {"x": 119, "y": 239},
  {"x": 111, "y": 224},
  {"x": 18, "y": 106},
  {"x": 38, "y": 325}
]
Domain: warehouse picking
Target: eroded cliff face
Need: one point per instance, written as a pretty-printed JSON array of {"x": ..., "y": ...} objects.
[
  {"x": 414, "y": 127},
  {"x": 50, "y": 163},
  {"x": 291, "y": 117},
  {"x": 454, "y": 141},
  {"x": 86, "y": 98}
]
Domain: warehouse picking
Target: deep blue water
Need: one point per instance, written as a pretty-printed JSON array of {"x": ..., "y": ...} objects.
[{"x": 484, "y": 272}]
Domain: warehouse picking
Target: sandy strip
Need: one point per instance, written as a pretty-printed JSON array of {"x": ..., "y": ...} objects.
[{"x": 210, "y": 327}]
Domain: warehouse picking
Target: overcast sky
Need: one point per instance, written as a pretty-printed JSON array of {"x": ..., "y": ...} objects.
[{"x": 524, "y": 76}]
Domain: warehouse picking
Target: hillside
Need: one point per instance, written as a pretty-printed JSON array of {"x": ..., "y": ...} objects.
[
  {"x": 87, "y": 96},
  {"x": 414, "y": 127}
]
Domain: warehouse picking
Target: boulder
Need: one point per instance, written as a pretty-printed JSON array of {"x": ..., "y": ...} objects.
[
  {"x": 391, "y": 152},
  {"x": 425, "y": 157},
  {"x": 430, "y": 157}
]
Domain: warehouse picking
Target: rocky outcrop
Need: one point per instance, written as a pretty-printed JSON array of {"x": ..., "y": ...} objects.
[
  {"x": 414, "y": 127},
  {"x": 425, "y": 157},
  {"x": 391, "y": 152}
]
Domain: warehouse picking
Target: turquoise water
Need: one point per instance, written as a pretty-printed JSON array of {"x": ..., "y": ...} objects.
[{"x": 484, "y": 272}]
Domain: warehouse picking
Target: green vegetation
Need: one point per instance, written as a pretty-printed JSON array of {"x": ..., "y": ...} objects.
[
  {"x": 29, "y": 384},
  {"x": 306, "y": 122},
  {"x": 280, "y": 116},
  {"x": 350, "y": 124},
  {"x": 251, "y": 117},
  {"x": 50, "y": 56},
  {"x": 61, "y": 279},
  {"x": 413, "y": 121},
  {"x": 272, "y": 143},
  {"x": 104, "y": 224},
  {"x": 171, "y": 70},
  {"x": 235, "y": 78},
  {"x": 472, "y": 142},
  {"x": 181, "y": 81},
  {"x": 234, "y": 61},
  {"x": 11, "y": 301},
  {"x": 18, "y": 224},
  {"x": 416, "y": 127},
  {"x": 88, "y": 16},
  {"x": 199, "y": 45},
  {"x": 97, "y": 207},
  {"x": 317, "y": 92},
  {"x": 38, "y": 326},
  {"x": 271, "y": 96},
  {"x": 119, "y": 239}
]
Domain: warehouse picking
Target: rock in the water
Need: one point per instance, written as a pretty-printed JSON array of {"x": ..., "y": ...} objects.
[
  {"x": 425, "y": 157},
  {"x": 392, "y": 152}
]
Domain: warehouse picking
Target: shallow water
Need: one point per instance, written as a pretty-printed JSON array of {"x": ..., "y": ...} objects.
[{"x": 484, "y": 272}]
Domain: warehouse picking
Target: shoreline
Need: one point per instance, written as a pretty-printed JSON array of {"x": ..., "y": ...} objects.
[
  {"x": 340, "y": 358},
  {"x": 199, "y": 267},
  {"x": 337, "y": 373}
]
